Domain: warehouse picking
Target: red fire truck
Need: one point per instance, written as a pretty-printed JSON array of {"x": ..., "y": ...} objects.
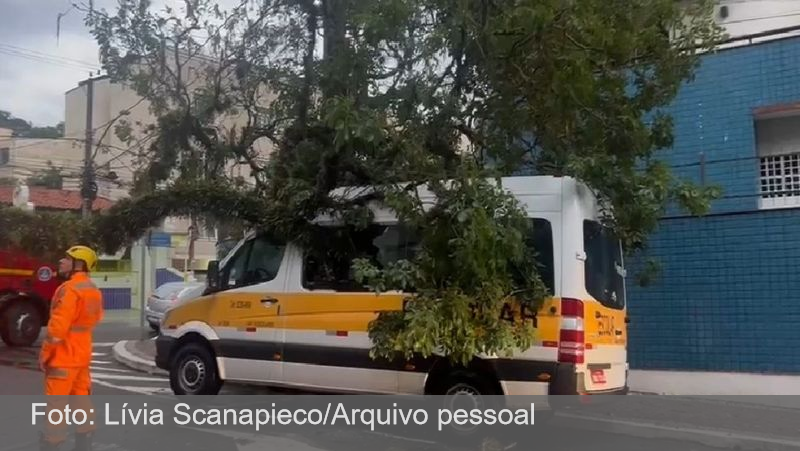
[{"x": 26, "y": 287}]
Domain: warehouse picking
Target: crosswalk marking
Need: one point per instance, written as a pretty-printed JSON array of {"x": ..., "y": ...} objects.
[
  {"x": 105, "y": 370},
  {"x": 101, "y": 376},
  {"x": 134, "y": 389},
  {"x": 114, "y": 370}
]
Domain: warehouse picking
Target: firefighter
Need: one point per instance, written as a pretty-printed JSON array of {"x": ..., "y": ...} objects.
[{"x": 76, "y": 308}]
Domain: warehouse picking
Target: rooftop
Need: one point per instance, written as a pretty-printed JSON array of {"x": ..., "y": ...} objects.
[{"x": 54, "y": 199}]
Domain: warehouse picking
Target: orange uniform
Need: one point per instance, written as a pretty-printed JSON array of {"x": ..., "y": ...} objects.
[{"x": 76, "y": 308}]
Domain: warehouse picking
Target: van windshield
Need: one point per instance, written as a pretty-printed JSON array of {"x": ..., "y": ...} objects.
[{"x": 604, "y": 276}]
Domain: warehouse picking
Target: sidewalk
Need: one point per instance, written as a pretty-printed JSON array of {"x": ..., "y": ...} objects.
[
  {"x": 138, "y": 355},
  {"x": 126, "y": 316}
]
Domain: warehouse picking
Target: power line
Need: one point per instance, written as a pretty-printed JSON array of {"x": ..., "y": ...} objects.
[
  {"x": 49, "y": 55},
  {"x": 41, "y": 59},
  {"x": 46, "y": 58}
]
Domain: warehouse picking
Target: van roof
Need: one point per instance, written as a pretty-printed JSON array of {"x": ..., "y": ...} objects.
[
  {"x": 539, "y": 185},
  {"x": 519, "y": 185}
]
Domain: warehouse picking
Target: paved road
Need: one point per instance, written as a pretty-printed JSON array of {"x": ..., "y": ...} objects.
[
  {"x": 19, "y": 376},
  {"x": 19, "y": 373}
]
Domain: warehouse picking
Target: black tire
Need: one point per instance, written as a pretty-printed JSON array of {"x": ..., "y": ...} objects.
[
  {"x": 475, "y": 391},
  {"x": 154, "y": 327},
  {"x": 20, "y": 324},
  {"x": 193, "y": 371}
]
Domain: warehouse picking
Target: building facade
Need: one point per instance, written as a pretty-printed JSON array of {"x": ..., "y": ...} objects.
[{"x": 723, "y": 313}]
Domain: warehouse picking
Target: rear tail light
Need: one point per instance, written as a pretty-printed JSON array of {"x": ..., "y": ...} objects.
[{"x": 571, "y": 344}]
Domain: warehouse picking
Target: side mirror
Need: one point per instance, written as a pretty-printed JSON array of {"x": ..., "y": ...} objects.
[{"x": 212, "y": 275}]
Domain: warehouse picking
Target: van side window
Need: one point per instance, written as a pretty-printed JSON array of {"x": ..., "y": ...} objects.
[
  {"x": 327, "y": 266},
  {"x": 234, "y": 269},
  {"x": 540, "y": 241},
  {"x": 264, "y": 262},
  {"x": 257, "y": 261}
]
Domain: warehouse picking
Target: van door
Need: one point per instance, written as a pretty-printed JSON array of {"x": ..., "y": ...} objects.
[
  {"x": 604, "y": 314},
  {"x": 327, "y": 317},
  {"x": 247, "y": 309}
]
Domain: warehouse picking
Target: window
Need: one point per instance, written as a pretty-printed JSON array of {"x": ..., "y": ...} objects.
[
  {"x": 5, "y": 156},
  {"x": 264, "y": 262},
  {"x": 328, "y": 265},
  {"x": 540, "y": 242},
  {"x": 234, "y": 269},
  {"x": 257, "y": 261},
  {"x": 778, "y": 144},
  {"x": 604, "y": 275}
]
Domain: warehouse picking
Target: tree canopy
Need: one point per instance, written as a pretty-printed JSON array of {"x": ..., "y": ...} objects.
[
  {"x": 397, "y": 92},
  {"x": 24, "y": 129}
]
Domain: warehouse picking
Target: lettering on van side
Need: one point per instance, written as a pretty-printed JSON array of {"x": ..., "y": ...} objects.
[
  {"x": 240, "y": 304},
  {"x": 525, "y": 312},
  {"x": 605, "y": 325},
  {"x": 507, "y": 313}
]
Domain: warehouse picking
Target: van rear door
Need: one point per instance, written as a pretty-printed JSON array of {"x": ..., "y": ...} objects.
[{"x": 604, "y": 313}]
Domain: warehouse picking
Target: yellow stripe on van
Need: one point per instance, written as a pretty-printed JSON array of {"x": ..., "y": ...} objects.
[{"x": 352, "y": 312}]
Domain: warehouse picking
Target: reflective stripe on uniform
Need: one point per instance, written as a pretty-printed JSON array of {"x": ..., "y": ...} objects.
[
  {"x": 85, "y": 284},
  {"x": 57, "y": 372},
  {"x": 79, "y": 329}
]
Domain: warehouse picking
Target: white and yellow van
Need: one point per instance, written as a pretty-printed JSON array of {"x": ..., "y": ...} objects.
[{"x": 276, "y": 317}]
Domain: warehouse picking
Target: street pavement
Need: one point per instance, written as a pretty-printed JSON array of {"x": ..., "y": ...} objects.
[
  {"x": 626, "y": 428},
  {"x": 20, "y": 375}
]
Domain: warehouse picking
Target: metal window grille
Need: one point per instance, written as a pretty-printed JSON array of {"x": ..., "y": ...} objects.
[{"x": 780, "y": 180}]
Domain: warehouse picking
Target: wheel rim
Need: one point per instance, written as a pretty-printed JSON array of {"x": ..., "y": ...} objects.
[
  {"x": 463, "y": 396},
  {"x": 24, "y": 326},
  {"x": 192, "y": 374}
]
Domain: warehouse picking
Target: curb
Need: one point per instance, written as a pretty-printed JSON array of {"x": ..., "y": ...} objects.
[{"x": 127, "y": 358}]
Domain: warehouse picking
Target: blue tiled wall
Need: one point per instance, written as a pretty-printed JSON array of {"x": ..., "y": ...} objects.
[
  {"x": 116, "y": 298},
  {"x": 164, "y": 276},
  {"x": 727, "y": 299},
  {"x": 728, "y": 296},
  {"x": 713, "y": 114}
]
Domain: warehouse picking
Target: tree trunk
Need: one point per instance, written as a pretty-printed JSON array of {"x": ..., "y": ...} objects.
[{"x": 336, "y": 65}]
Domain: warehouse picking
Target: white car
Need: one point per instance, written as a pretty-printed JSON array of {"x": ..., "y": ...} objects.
[{"x": 167, "y": 296}]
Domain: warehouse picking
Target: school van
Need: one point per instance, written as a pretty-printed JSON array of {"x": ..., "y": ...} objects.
[{"x": 278, "y": 315}]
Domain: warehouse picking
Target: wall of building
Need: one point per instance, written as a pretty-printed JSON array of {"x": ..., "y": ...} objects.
[
  {"x": 743, "y": 17},
  {"x": 726, "y": 299},
  {"x": 110, "y": 99}
]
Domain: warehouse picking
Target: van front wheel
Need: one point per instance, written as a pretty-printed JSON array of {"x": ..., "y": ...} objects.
[{"x": 194, "y": 371}]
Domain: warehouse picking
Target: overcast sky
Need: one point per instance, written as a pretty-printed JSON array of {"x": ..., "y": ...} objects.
[
  {"x": 36, "y": 69},
  {"x": 32, "y": 86}
]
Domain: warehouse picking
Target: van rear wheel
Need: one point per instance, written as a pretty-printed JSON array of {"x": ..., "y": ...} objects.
[
  {"x": 194, "y": 371},
  {"x": 467, "y": 390}
]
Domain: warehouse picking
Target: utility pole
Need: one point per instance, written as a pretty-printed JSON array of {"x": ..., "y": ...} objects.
[{"x": 88, "y": 187}]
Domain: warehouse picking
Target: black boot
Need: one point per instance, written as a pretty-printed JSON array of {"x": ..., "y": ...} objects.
[{"x": 83, "y": 442}]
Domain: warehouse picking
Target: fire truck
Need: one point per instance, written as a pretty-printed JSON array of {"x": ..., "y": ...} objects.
[{"x": 26, "y": 287}]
